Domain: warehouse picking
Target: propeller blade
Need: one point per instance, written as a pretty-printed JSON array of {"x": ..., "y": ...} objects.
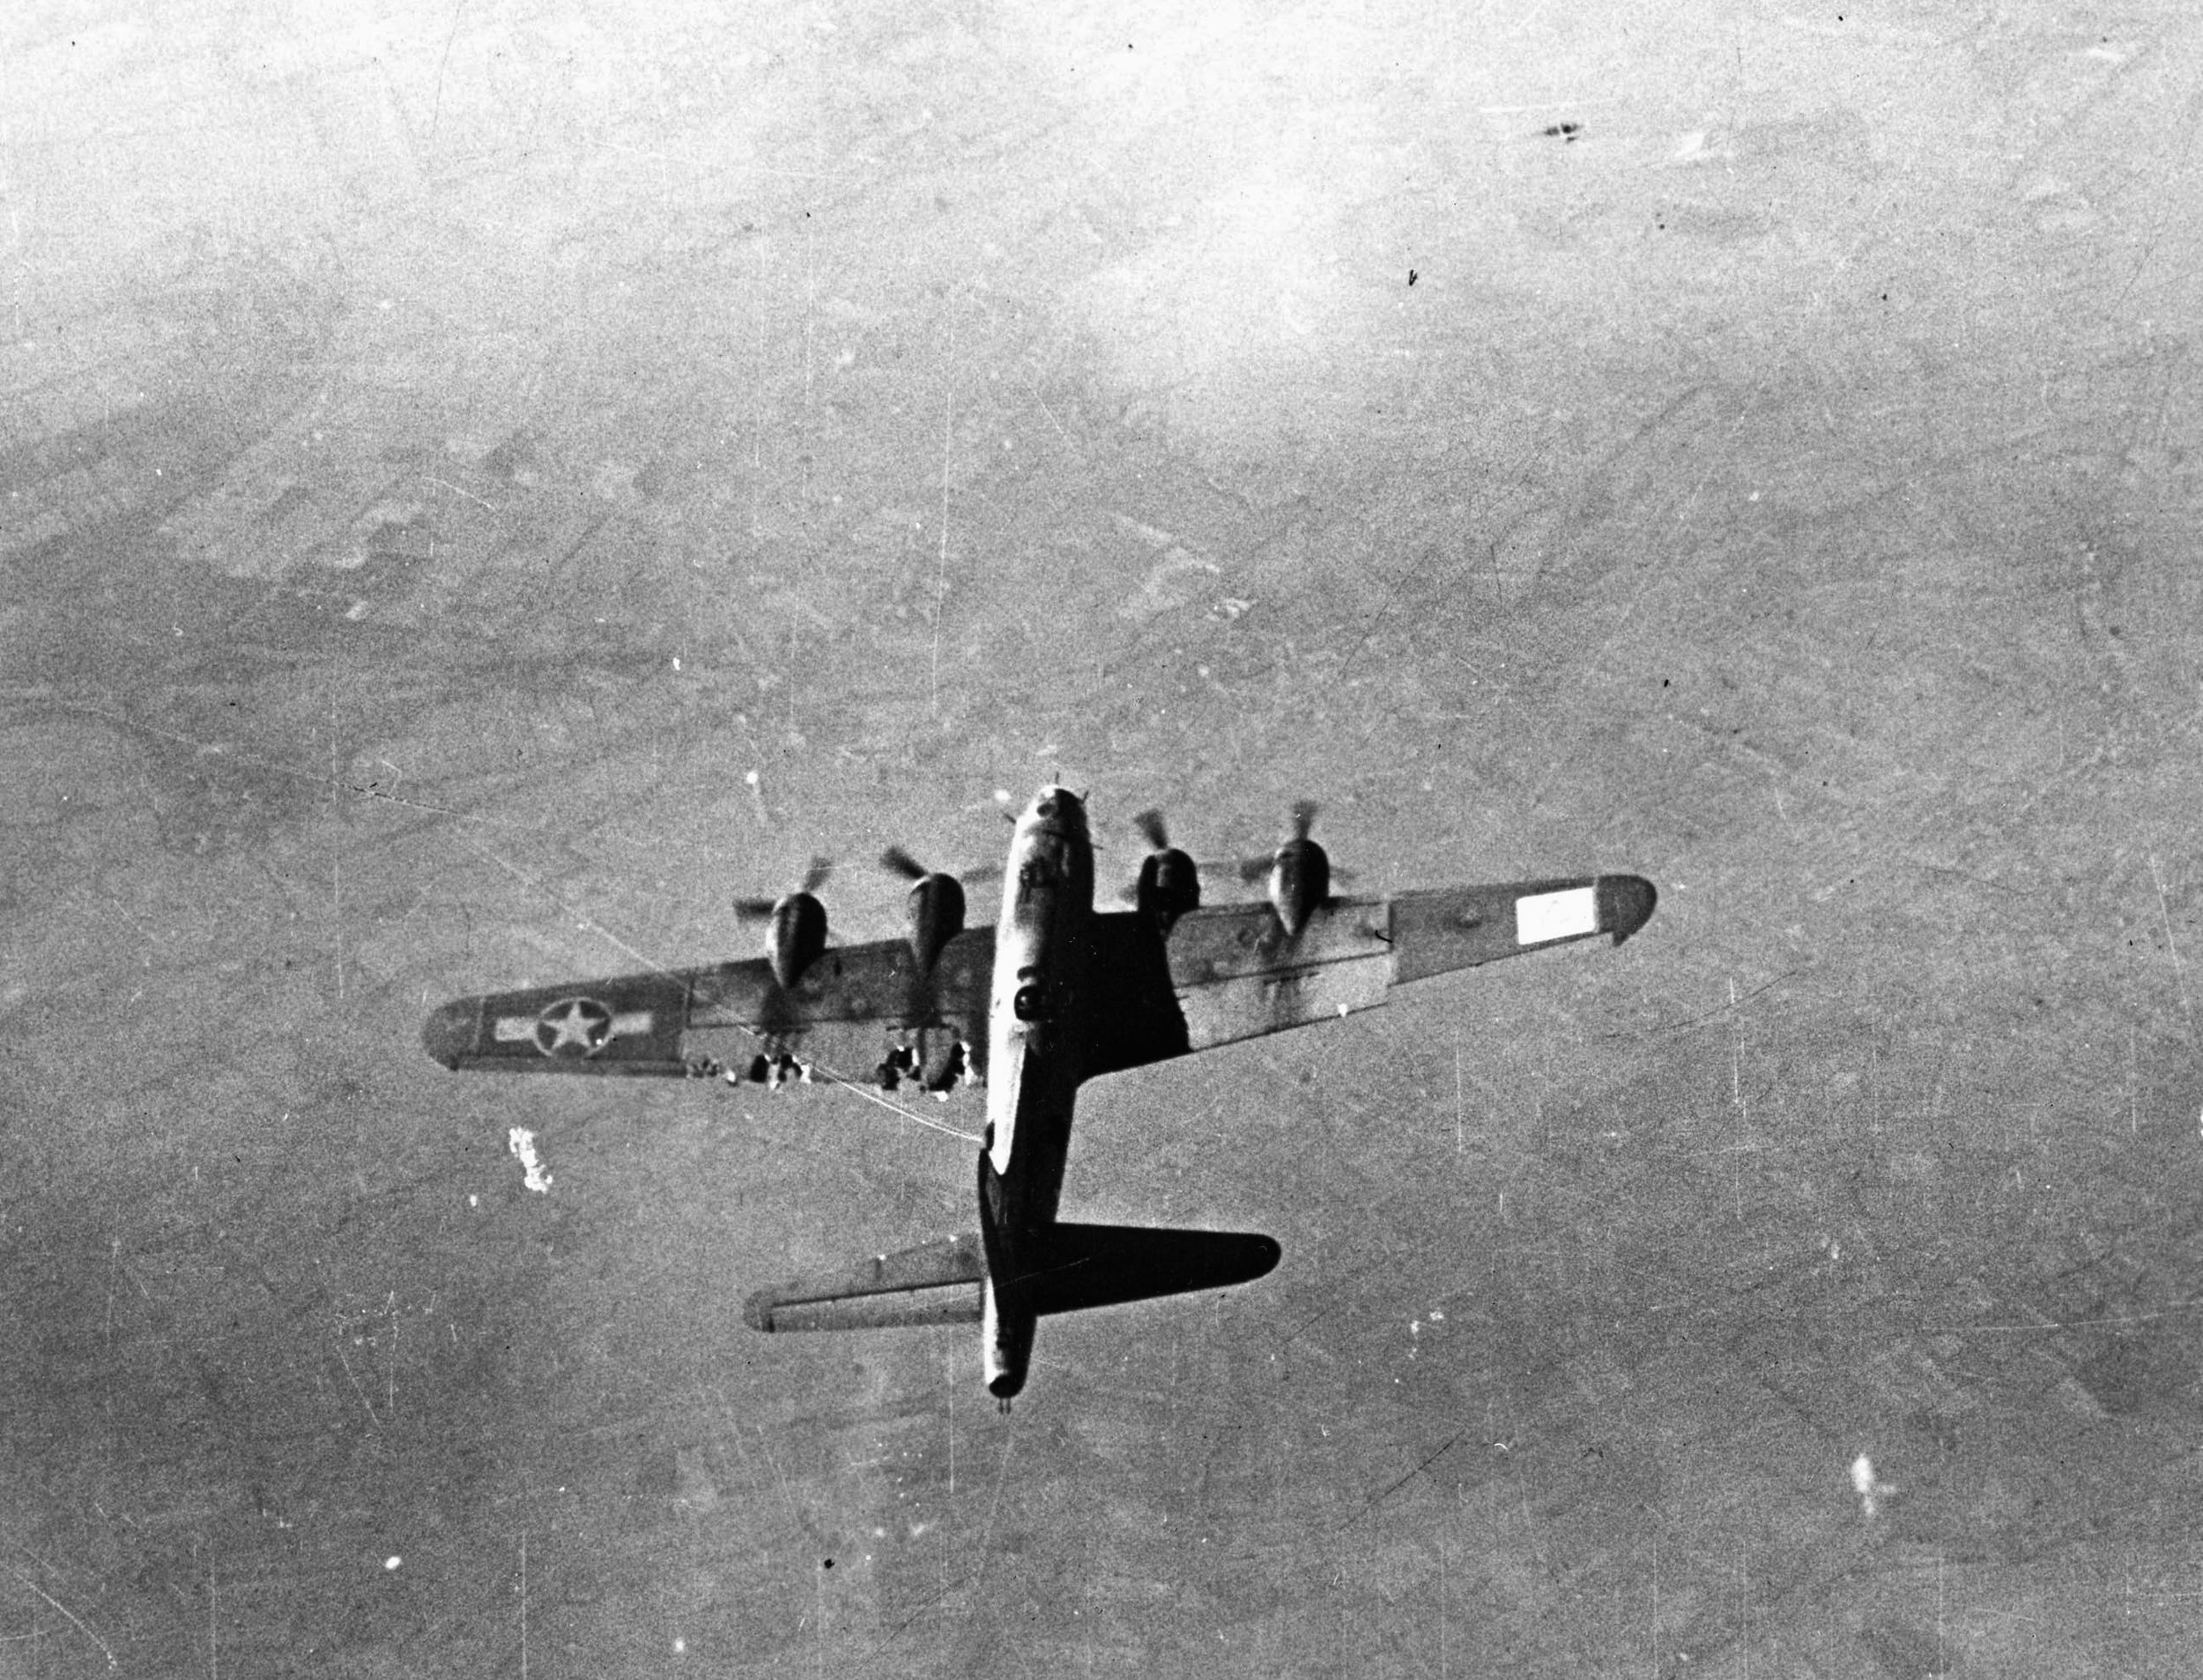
[
  {"x": 1253, "y": 869},
  {"x": 1149, "y": 823},
  {"x": 1304, "y": 818},
  {"x": 899, "y": 861},
  {"x": 813, "y": 878}
]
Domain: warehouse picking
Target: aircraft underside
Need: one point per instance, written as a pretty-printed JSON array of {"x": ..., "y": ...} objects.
[{"x": 1055, "y": 993}]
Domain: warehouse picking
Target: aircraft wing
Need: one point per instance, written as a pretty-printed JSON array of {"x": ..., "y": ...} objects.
[
  {"x": 1230, "y": 971},
  {"x": 862, "y": 1012}
]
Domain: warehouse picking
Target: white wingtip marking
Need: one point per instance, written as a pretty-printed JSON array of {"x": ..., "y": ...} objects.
[{"x": 1544, "y": 916}]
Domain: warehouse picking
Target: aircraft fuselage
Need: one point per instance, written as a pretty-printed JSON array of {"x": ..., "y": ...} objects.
[{"x": 1035, "y": 1063}]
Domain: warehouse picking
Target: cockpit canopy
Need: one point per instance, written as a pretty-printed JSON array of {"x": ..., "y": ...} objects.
[
  {"x": 1058, "y": 808},
  {"x": 1047, "y": 863}
]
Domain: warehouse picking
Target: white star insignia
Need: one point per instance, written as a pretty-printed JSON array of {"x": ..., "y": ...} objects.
[{"x": 578, "y": 1026}]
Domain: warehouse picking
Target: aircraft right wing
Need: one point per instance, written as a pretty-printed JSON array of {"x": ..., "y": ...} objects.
[{"x": 1231, "y": 972}]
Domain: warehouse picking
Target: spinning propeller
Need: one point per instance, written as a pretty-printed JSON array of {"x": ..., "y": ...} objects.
[
  {"x": 1169, "y": 881},
  {"x": 896, "y": 861},
  {"x": 814, "y": 876},
  {"x": 795, "y": 933},
  {"x": 1253, "y": 869},
  {"x": 936, "y": 905},
  {"x": 1299, "y": 872}
]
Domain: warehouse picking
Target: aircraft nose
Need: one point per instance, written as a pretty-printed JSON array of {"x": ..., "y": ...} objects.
[
  {"x": 1057, "y": 804},
  {"x": 449, "y": 1035}
]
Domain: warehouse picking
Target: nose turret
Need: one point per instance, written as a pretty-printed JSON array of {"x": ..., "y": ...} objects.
[{"x": 1059, "y": 810}]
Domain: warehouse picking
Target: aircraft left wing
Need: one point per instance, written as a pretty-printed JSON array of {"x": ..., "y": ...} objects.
[
  {"x": 1231, "y": 972},
  {"x": 862, "y": 1011}
]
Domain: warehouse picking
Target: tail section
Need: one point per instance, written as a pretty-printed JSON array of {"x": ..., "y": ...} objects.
[
  {"x": 1007, "y": 1278},
  {"x": 941, "y": 1282},
  {"x": 1006, "y": 1342},
  {"x": 1066, "y": 1268}
]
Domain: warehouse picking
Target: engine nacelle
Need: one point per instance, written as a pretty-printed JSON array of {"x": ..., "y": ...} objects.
[
  {"x": 796, "y": 937},
  {"x": 937, "y": 916},
  {"x": 1169, "y": 885},
  {"x": 1300, "y": 882}
]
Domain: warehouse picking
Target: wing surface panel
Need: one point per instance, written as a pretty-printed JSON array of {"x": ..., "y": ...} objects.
[
  {"x": 1231, "y": 972},
  {"x": 1227, "y": 972},
  {"x": 626, "y": 1023},
  {"x": 859, "y": 1006},
  {"x": 1437, "y": 932}
]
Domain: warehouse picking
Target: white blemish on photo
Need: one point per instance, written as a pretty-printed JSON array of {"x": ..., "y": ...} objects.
[
  {"x": 522, "y": 1142},
  {"x": 1871, "y": 1491},
  {"x": 1177, "y": 581}
]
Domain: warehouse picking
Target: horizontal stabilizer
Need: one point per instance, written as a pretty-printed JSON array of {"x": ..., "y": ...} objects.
[
  {"x": 938, "y": 1283},
  {"x": 1074, "y": 1267}
]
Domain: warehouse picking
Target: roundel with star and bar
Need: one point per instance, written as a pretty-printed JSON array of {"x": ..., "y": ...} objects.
[{"x": 573, "y": 1027}]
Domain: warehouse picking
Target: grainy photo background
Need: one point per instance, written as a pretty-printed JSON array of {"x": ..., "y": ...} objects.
[{"x": 483, "y": 484}]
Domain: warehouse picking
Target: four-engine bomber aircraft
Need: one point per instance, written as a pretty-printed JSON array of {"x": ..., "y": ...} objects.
[{"x": 1056, "y": 994}]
